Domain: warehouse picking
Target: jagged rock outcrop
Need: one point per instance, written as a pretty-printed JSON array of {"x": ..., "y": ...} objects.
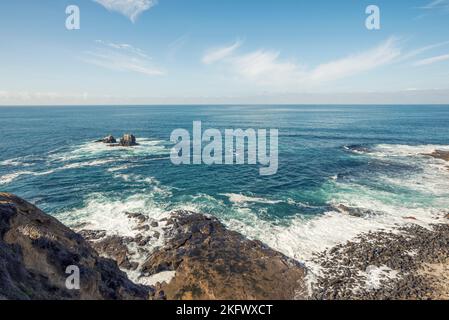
[
  {"x": 36, "y": 249},
  {"x": 439, "y": 154},
  {"x": 212, "y": 262},
  {"x": 109, "y": 139},
  {"x": 128, "y": 140}
]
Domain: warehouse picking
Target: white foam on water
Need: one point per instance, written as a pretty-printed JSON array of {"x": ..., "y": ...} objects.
[
  {"x": 165, "y": 276},
  {"x": 100, "y": 212},
  {"x": 10, "y": 177},
  {"x": 375, "y": 275},
  {"x": 16, "y": 162},
  {"x": 400, "y": 150},
  {"x": 242, "y": 199},
  {"x": 119, "y": 168},
  {"x": 93, "y": 163},
  {"x": 95, "y": 149},
  {"x": 302, "y": 237}
]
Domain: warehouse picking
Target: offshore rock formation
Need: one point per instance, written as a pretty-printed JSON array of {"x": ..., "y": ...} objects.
[
  {"x": 36, "y": 249},
  {"x": 128, "y": 140},
  {"x": 109, "y": 139},
  {"x": 440, "y": 154}
]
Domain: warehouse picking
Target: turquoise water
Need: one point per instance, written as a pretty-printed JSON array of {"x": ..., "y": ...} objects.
[{"x": 366, "y": 157}]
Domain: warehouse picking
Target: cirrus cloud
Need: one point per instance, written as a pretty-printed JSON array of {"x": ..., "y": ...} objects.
[
  {"x": 121, "y": 57},
  {"x": 129, "y": 8},
  {"x": 267, "y": 68}
]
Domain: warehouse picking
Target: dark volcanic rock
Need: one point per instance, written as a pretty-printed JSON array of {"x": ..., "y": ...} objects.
[
  {"x": 116, "y": 248},
  {"x": 128, "y": 140},
  {"x": 212, "y": 262},
  {"x": 357, "y": 148},
  {"x": 418, "y": 256},
  {"x": 439, "y": 154},
  {"x": 108, "y": 139},
  {"x": 355, "y": 212},
  {"x": 36, "y": 249}
]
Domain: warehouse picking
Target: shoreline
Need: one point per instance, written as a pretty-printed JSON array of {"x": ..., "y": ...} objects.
[
  {"x": 203, "y": 260},
  {"x": 409, "y": 263}
]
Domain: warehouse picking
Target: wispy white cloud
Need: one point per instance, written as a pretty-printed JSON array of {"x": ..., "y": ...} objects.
[
  {"x": 267, "y": 68},
  {"x": 175, "y": 46},
  {"x": 129, "y": 8},
  {"x": 422, "y": 50},
  {"x": 441, "y": 5},
  {"x": 432, "y": 60},
  {"x": 122, "y": 57},
  {"x": 381, "y": 55},
  {"x": 217, "y": 54}
]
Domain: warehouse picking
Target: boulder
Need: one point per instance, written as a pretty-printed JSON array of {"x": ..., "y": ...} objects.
[
  {"x": 128, "y": 140},
  {"x": 355, "y": 212},
  {"x": 439, "y": 154},
  {"x": 212, "y": 262},
  {"x": 109, "y": 139},
  {"x": 35, "y": 251}
]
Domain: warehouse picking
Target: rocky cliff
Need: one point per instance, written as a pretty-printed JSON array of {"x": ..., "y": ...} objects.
[
  {"x": 35, "y": 251},
  {"x": 209, "y": 261}
]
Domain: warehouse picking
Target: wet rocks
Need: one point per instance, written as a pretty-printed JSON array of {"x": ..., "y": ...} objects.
[
  {"x": 439, "y": 154},
  {"x": 355, "y": 212},
  {"x": 116, "y": 248},
  {"x": 36, "y": 249},
  {"x": 141, "y": 218},
  {"x": 93, "y": 234},
  {"x": 128, "y": 140},
  {"x": 109, "y": 140},
  {"x": 357, "y": 148},
  {"x": 212, "y": 262},
  {"x": 405, "y": 255}
]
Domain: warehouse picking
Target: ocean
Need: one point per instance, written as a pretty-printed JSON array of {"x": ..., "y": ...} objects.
[{"x": 365, "y": 159}]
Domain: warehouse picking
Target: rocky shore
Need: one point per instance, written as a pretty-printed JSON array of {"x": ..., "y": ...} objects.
[
  {"x": 410, "y": 264},
  {"x": 207, "y": 261},
  {"x": 35, "y": 251}
]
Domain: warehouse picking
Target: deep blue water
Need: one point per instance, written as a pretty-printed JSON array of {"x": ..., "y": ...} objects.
[{"x": 47, "y": 156}]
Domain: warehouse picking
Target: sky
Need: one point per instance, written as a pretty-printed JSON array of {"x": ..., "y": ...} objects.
[{"x": 223, "y": 52}]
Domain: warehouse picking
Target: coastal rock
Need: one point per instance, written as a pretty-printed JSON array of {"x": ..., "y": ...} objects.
[
  {"x": 355, "y": 212},
  {"x": 439, "y": 154},
  {"x": 109, "y": 139},
  {"x": 36, "y": 249},
  {"x": 128, "y": 140},
  {"x": 116, "y": 248},
  {"x": 212, "y": 262},
  {"x": 357, "y": 148},
  {"x": 410, "y": 263}
]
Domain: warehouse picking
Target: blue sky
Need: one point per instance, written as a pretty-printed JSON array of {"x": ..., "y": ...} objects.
[{"x": 217, "y": 51}]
